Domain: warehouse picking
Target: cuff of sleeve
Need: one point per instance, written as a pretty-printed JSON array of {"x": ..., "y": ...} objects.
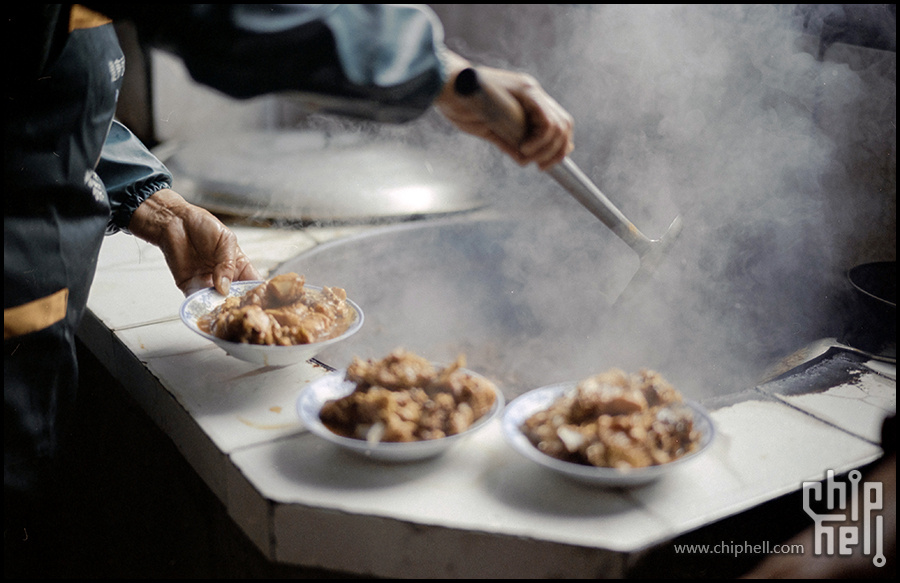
[{"x": 121, "y": 210}]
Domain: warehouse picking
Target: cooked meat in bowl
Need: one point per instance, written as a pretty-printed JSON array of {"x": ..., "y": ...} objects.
[{"x": 282, "y": 311}]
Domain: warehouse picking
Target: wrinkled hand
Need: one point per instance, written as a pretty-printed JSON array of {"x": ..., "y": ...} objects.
[
  {"x": 548, "y": 135},
  {"x": 199, "y": 249}
]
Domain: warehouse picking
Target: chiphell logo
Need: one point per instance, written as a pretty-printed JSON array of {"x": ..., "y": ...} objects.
[{"x": 848, "y": 531}]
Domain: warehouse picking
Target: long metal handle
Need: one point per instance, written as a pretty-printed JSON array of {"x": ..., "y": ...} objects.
[
  {"x": 586, "y": 192},
  {"x": 508, "y": 121}
]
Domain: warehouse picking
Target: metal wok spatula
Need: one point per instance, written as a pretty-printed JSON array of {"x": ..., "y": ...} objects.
[{"x": 509, "y": 122}]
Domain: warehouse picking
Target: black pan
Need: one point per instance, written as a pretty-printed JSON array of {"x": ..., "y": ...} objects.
[
  {"x": 869, "y": 324},
  {"x": 874, "y": 327}
]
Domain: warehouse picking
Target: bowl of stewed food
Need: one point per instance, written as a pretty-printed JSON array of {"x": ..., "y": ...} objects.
[{"x": 275, "y": 322}]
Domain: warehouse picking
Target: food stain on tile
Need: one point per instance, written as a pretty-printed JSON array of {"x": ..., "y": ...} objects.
[{"x": 265, "y": 426}]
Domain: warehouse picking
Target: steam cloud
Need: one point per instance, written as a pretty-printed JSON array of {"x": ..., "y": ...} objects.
[
  {"x": 777, "y": 148},
  {"x": 770, "y": 128}
]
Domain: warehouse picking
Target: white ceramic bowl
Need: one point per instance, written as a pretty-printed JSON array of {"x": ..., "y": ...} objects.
[
  {"x": 204, "y": 301},
  {"x": 531, "y": 402},
  {"x": 333, "y": 386}
]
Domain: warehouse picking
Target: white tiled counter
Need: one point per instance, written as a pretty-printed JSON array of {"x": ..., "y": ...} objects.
[{"x": 479, "y": 511}]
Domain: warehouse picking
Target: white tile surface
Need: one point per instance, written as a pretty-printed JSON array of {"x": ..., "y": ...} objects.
[
  {"x": 304, "y": 501},
  {"x": 389, "y": 548},
  {"x": 764, "y": 449},
  {"x": 859, "y": 407},
  {"x": 236, "y": 403},
  {"x": 133, "y": 285},
  {"x": 482, "y": 485}
]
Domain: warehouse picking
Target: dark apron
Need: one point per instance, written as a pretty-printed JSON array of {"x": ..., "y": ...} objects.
[{"x": 55, "y": 215}]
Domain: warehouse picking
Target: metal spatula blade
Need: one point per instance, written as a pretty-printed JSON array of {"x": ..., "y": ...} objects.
[{"x": 509, "y": 121}]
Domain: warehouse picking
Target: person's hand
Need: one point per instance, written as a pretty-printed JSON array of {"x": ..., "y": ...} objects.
[
  {"x": 547, "y": 136},
  {"x": 199, "y": 249}
]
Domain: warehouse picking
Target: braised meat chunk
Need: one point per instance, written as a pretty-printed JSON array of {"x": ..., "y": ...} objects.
[
  {"x": 403, "y": 397},
  {"x": 283, "y": 311},
  {"x": 397, "y": 371},
  {"x": 616, "y": 420}
]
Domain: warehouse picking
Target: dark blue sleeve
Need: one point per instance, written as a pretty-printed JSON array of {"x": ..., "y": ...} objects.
[
  {"x": 376, "y": 61},
  {"x": 130, "y": 173}
]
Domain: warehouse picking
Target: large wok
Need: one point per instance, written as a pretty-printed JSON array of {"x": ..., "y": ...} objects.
[
  {"x": 529, "y": 299},
  {"x": 524, "y": 305}
]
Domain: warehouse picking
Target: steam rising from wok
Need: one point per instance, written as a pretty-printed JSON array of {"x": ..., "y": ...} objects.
[
  {"x": 775, "y": 143},
  {"x": 778, "y": 148}
]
